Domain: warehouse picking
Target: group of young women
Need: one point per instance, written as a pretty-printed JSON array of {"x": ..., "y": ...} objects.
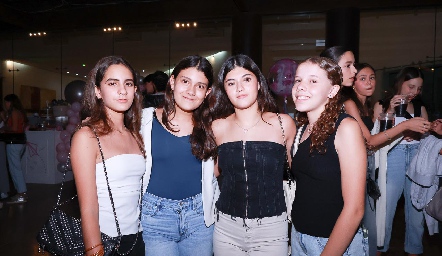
[{"x": 160, "y": 189}]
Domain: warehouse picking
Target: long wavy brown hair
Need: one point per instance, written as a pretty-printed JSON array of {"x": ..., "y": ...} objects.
[
  {"x": 325, "y": 125},
  {"x": 199, "y": 132},
  {"x": 220, "y": 105},
  {"x": 94, "y": 108}
]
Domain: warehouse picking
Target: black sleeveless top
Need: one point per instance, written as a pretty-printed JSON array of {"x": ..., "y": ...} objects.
[
  {"x": 318, "y": 201},
  {"x": 252, "y": 179},
  {"x": 368, "y": 122}
]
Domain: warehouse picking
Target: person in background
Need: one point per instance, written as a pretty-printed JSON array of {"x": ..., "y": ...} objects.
[
  {"x": 329, "y": 167},
  {"x": 156, "y": 88},
  {"x": 149, "y": 87},
  {"x": 15, "y": 121},
  {"x": 408, "y": 83},
  {"x": 250, "y": 140},
  {"x": 359, "y": 106},
  {"x": 345, "y": 58},
  {"x": 113, "y": 108},
  {"x": 178, "y": 206}
]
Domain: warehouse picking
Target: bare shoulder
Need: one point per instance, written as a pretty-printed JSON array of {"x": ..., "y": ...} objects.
[
  {"x": 221, "y": 124},
  {"x": 350, "y": 104},
  {"x": 272, "y": 118},
  {"x": 83, "y": 137},
  {"x": 348, "y": 129}
]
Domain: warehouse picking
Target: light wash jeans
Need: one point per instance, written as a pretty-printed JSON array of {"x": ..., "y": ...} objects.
[
  {"x": 306, "y": 245},
  {"x": 234, "y": 236},
  {"x": 369, "y": 220},
  {"x": 175, "y": 227},
  {"x": 14, "y": 152},
  {"x": 398, "y": 161}
]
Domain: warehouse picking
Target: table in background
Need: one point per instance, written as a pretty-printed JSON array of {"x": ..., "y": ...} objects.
[{"x": 39, "y": 162}]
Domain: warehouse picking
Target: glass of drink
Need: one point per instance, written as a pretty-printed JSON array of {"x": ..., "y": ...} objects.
[
  {"x": 402, "y": 108},
  {"x": 386, "y": 121}
]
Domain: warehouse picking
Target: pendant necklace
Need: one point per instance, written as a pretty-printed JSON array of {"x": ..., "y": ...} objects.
[{"x": 248, "y": 129}]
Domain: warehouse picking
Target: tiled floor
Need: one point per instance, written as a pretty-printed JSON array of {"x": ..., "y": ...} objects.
[{"x": 19, "y": 224}]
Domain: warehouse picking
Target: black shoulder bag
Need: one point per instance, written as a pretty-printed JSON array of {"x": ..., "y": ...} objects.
[{"x": 62, "y": 233}]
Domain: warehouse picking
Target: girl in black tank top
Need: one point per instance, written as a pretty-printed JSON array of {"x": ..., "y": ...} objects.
[{"x": 329, "y": 167}]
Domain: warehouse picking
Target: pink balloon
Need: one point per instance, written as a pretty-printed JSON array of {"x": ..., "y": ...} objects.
[
  {"x": 61, "y": 167},
  {"x": 70, "y": 112},
  {"x": 67, "y": 146},
  {"x": 64, "y": 134},
  {"x": 71, "y": 128},
  {"x": 60, "y": 147},
  {"x": 76, "y": 107},
  {"x": 74, "y": 120},
  {"x": 62, "y": 157},
  {"x": 67, "y": 139},
  {"x": 281, "y": 77}
]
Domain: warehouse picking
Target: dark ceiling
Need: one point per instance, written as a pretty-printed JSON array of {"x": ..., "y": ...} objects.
[{"x": 53, "y": 15}]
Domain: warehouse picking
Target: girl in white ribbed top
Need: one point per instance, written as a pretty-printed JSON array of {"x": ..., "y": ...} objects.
[{"x": 113, "y": 107}]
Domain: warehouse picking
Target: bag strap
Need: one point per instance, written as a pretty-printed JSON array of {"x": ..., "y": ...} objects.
[
  {"x": 58, "y": 204},
  {"x": 289, "y": 174},
  {"x": 112, "y": 201}
]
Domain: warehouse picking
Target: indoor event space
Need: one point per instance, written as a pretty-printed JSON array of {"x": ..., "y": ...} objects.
[{"x": 50, "y": 54}]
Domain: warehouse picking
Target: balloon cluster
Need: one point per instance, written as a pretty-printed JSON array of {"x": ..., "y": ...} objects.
[{"x": 64, "y": 146}]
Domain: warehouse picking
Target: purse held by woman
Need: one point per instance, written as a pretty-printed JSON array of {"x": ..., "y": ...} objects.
[
  {"x": 62, "y": 234},
  {"x": 434, "y": 207},
  {"x": 289, "y": 183}
]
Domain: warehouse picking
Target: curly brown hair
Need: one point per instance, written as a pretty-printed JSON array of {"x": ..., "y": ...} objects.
[
  {"x": 94, "y": 108},
  {"x": 325, "y": 125}
]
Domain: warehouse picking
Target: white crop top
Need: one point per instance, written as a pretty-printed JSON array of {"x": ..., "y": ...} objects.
[
  {"x": 124, "y": 173},
  {"x": 398, "y": 120}
]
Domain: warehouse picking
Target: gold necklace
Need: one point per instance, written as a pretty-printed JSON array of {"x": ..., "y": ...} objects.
[{"x": 248, "y": 129}]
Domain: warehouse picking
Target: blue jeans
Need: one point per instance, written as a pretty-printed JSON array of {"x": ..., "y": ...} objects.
[
  {"x": 369, "y": 220},
  {"x": 398, "y": 161},
  {"x": 175, "y": 227},
  {"x": 14, "y": 152},
  {"x": 306, "y": 245}
]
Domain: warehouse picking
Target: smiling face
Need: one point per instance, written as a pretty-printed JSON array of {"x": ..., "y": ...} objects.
[
  {"x": 412, "y": 87},
  {"x": 241, "y": 86},
  {"x": 312, "y": 88},
  {"x": 117, "y": 89},
  {"x": 346, "y": 62},
  {"x": 365, "y": 82},
  {"x": 190, "y": 87}
]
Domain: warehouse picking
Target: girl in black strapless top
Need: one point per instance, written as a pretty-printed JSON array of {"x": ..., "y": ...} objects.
[{"x": 249, "y": 147}]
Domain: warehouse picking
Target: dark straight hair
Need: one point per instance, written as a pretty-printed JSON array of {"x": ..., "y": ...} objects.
[{"x": 198, "y": 136}]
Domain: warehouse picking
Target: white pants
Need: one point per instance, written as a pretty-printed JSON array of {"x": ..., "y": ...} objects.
[{"x": 237, "y": 236}]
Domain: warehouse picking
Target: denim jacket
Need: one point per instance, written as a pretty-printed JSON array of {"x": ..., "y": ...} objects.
[{"x": 210, "y": 189}]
